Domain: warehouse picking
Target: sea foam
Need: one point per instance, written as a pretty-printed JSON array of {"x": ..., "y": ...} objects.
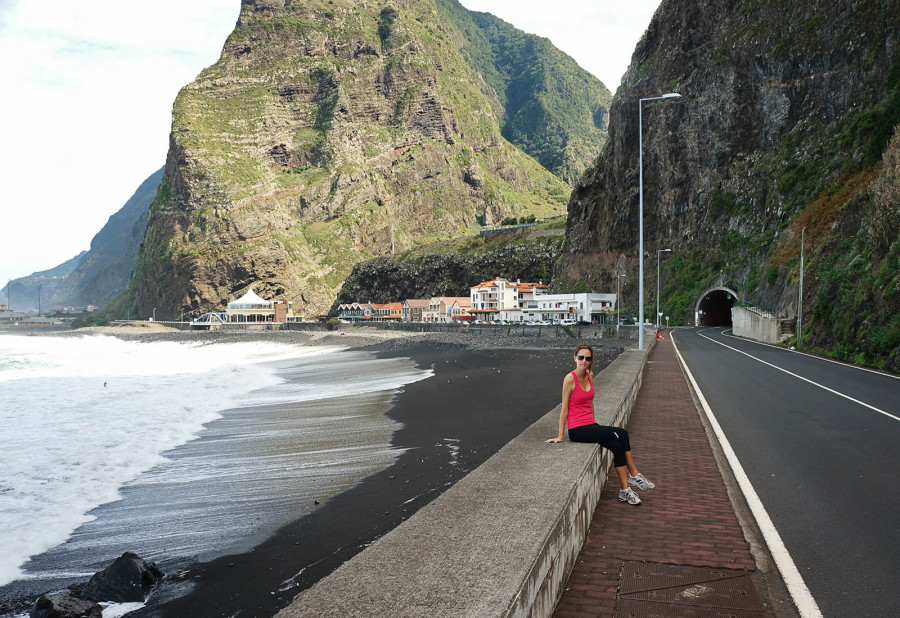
[{"x": 85, "y": 416}]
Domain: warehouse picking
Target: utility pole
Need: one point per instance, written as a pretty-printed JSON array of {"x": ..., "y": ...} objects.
[
  {"x": 800, "y": 298},
  {"x": 39, "y": 299}
]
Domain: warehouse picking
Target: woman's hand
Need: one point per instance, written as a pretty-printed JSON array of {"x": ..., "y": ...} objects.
[{"x": 553, "y": 440}]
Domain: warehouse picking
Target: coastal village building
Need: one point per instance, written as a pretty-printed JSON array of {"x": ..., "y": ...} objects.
[
  {"x": 355, "y": 312},
  {"x": 253, "y": 309},
  {"x": 490, "y": 301},
  {"x": 413, "y": 309},
  {"x": 585, "y": 307},
  {"x": 459, "y": 310},
  {"x": 504, "y": 300},
  {"x": 370, "y": 312},
  {"x": 440, "y": 309},
  {"x": 389, "y": 312}
]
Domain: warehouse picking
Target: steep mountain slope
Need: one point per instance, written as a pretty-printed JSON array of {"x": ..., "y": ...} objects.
[
  {"x": 96, "y": 276},
  {"x": 106, "y": 269},
  {"x": 787, "y": 109},
  {"x": 327, "y": 131},
  {"x": 547, "y": 105}
]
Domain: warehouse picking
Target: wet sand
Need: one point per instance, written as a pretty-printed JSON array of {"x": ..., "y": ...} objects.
[{"x": 483, "y": 394}]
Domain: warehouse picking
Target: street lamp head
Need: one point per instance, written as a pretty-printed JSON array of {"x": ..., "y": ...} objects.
[{"x": 671, "y": 95}]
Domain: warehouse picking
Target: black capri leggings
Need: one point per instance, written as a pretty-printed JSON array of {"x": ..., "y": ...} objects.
[{"x": 614, "y": 439}]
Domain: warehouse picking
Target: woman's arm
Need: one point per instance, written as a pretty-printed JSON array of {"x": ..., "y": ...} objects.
[{"x": 568, "y": 387}]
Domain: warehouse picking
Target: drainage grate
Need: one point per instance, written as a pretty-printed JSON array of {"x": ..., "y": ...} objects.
[{"x": 654, "y": 590}]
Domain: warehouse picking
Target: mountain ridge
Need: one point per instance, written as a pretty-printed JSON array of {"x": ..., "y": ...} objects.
[
  {"x": 325, "y": 134},
  {"x": 781, "y": 125}
]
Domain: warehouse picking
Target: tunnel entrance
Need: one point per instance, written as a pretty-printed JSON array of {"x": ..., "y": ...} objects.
[{"x": 714, "y": 307}]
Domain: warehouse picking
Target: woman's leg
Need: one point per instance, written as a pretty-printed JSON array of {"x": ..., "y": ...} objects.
[
  {"x": 615, "y": 440},
  {"x": 629, "y": 462},
  {"x": 622, "y": 473}
]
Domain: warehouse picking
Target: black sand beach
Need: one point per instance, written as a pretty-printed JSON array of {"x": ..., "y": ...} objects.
[{"x": 484, "y": 393}]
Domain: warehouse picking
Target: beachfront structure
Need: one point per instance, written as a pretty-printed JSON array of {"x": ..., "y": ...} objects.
[
  {"x": 459, "y": 310},
  {"x": 355, "y": 312},
  {"x": 414, "y": 308},
  {"x": 440, "y": 309},
  {"x": 370, "y": 312},
  {"x": 250, "y": 308},
  {"x": 507, "y": 301},
  {"x": 584, "y": 307},
  {"x": 388, "y": 312}
]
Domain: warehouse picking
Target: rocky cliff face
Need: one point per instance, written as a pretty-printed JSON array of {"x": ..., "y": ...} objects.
[
  {"x": 786, "y": 109},
  {"x": 328, "y": 132},
  {"x": 526, "y": 256}
]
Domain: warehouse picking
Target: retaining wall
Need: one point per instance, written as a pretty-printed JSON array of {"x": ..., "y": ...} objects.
[
  {"x": 751, "y": 325},
  {"x": 501, "y": 542}
]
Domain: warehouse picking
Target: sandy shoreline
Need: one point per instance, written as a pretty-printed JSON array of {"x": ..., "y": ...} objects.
[{"x": 449, "y": 427}]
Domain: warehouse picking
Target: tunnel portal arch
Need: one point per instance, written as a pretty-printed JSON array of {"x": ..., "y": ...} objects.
[{"x": 714, "y": 307}]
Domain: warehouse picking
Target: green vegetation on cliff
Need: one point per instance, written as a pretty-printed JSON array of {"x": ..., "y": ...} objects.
[
  {"x": 549, "y": 106},
  {"x": 451, "y": 268},
  {"x": 782, "y": 126},
  {"x": 331, "y": 131}
]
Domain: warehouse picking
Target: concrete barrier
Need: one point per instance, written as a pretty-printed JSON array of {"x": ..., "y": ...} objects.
[
  {"x": 501, "y": 542},
  {"x": 753, "y": 325}
]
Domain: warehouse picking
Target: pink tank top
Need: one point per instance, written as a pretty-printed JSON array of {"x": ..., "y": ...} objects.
[{"x": 581, "y": 409}]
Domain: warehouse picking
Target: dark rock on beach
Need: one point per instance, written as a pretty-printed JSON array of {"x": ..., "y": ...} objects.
[
  {"x": 124, "y": 581},
  {"x": 65, "y": 605}
]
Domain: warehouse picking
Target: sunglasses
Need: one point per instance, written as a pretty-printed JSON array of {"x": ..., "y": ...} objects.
[{"x": 584, "y": 358}]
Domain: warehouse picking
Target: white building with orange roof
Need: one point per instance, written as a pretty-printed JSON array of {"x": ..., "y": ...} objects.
[
  {"x": 576, "y": 307},
  {"x": 456, "y": 308},
  {"x": 507, "y": 301},
  {"x": 440, "y": 308}
]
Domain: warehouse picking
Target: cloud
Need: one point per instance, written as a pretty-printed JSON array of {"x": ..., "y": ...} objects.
[
  {"x": 599, "y": 34},
  {"x": 88, "y": 92},
  {"x": 89, "y": 87}
]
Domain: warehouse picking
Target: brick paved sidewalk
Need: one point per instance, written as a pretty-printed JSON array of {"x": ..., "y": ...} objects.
[{"x": 682, "y": 552}]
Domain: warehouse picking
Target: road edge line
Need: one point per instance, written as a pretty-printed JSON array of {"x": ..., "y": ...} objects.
[
  {"x": 803, "y": 379},
  {"x": 796, "y": 586}
]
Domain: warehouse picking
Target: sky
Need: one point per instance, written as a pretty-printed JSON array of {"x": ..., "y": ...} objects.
[{"x": 88, "y": 89}]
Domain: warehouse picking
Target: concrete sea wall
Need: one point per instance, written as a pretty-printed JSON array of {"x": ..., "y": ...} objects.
[{"x": 501, "y": 542}]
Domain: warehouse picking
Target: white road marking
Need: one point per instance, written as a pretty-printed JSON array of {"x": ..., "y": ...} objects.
[
  {"x": 883, "y": 374},
  {"x": 803, "y": 599},
  {"x": 799, "y": 377}
]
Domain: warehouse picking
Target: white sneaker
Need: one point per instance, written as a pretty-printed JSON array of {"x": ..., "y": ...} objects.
[
  {"x": 628, "y": 495},
  {"x": 640, "y": 482}
]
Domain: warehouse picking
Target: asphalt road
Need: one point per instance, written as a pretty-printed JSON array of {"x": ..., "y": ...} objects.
[{"x": 825, "y": 463}]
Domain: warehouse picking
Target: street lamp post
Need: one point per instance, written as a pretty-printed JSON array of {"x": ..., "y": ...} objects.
[
  {"x": 800, "y": 295},
  {"x": 671, "y": 95},
  {"x": 658, "y": 252},
  {"x": 618, "y": 302}
]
